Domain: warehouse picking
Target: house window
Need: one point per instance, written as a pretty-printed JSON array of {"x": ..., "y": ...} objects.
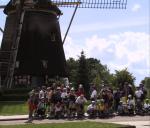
[
  {"x": 44, "y": 63},
  {"x": 53, "y": 36},
  {"x": 17, "y": 64}
]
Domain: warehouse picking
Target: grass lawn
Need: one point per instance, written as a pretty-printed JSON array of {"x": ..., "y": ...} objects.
[
  {"x": 13, "y": 108},
  {"x": 66, "y": 125}
]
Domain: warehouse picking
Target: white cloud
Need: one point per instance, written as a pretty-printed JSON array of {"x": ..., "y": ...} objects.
[
  {"x": 106, "y": 25},
  {"x": 136, "y": 7},
  {"x": 71, "y": 48},
  {"x": 96, "y": 44},
  {"x": 124, "y": 50},
  {"x": 133, "y": 45}
]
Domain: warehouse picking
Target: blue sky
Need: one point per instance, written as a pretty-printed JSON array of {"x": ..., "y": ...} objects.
[{"x": 118, "y": 38}]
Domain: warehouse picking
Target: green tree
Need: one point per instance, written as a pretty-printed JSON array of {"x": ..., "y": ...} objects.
[
  {"x": 83, "y": 73},
  {"x": 72, "y": 66},
  {"x": 98, "y": 71},
  {"x": 94, "y": 68},
  {"x": 123, "y": 76},
  {"x": 146, "y": 82}
]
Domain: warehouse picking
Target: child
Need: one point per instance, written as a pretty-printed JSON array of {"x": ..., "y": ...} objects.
[
  {"x": 91, "y": 109},
  {"x": 31, "y": 105},
  {"x": 130, "y": 104},
  {"x": 101, "y": 107},
  {"x": 80, "y": 101},
  {"x": 41, "y": 108},
  {"x": 120, "y": 108},
  {"x": 58, "y": 110},
  {"x": 147, "y": 106}
]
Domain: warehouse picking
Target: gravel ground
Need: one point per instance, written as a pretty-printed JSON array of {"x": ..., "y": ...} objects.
[{"x": 138, "y": 121}]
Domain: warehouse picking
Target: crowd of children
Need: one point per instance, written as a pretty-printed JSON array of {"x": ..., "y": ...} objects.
[{"x": 59, "y": 101}]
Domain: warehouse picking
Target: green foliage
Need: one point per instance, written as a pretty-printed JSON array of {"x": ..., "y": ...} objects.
[
  {"x": 82, "y": 73},
  {"x": 122, "y": 76},
  {"x": 17, "y": 91},
  {"x": 91, "y": 70},
  {"x": 14, "y": 97},
  {"x": 18, "y": 94},
  {"x": 97, "y": 80},
  {"x": 146, "y": 82},
  {"x": 72, "y": 71},
  {"x": 91, "y": 67},
  {"x": 96, "y": 69}
]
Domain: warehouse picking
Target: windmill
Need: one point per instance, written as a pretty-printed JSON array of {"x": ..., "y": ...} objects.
[{"x": 32, "y": 43}]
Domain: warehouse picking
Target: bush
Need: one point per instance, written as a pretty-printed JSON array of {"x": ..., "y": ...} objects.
[
  {"x": 1, "y": 92},
  {"x": 14, "y": 97},
  {"x": 17, "y": 91}
]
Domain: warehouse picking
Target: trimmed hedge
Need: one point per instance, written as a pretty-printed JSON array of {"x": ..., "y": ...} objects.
[
  {"x": 18, "y": 94},
  {"x": 17, "y": 91},
  {"x": 14, "y": 98}
]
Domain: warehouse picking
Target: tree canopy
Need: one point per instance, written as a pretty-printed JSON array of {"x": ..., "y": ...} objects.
[{"x": 89, "y": 71}]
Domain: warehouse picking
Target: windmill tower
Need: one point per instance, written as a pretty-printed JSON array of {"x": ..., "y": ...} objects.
[{"x": 32, "y": 46}]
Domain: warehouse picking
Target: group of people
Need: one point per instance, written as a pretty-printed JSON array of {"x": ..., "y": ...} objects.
[{"x": 59, "y": 101}]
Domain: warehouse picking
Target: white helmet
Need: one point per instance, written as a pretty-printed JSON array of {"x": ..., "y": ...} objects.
[
  {"x": 72, "y": 89},
  {"x": 80, "y": 85}
]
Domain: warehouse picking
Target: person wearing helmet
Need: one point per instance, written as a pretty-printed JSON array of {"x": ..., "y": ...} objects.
[
  {"x": 41, "y": 108},
  {"x": 91, "y": 109},
  {"x": 31, "y": 106},
  {"x": 101, "y": 108},
  {"x": 72, "y": 99},
  {"x": 120, "y": 109},
  {"x": 80, "y": 102},
  {"x": 64, "y": 97},
  {"x": 64, "y": 94},
  {"x": 147, "y": 106},
  {"x": 94, "y": 94},
  {"x": 80, "y": 90},
  {"x": 130, "y": 104},
  {"x": 58, "y": 110}
]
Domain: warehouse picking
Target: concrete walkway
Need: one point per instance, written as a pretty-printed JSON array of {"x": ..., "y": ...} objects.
[
  {"x": 138, "y": 121},
  {"x": 138, "y": 124},
  {"x": 15, "y": 117}
]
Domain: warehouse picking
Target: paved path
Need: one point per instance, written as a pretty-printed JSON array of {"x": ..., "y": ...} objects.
[
  {"x": 138, "y": 121},
  {"x": 138, "y": 124}
]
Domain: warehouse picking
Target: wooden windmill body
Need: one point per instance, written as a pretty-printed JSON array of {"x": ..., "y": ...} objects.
[{"x": 32, "y": 46}]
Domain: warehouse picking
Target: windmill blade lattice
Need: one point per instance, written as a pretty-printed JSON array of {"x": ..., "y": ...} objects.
[
  {"x": 2, "y": 6},
  {"x": 102, "y": 4}
]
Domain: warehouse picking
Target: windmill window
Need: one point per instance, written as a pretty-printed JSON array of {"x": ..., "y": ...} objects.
[
  {"x": 16, "y": 2},
  {"x": 17, "y": 64},
  {"x": 53, "y": 36},
  {"x": 44, "y": 63}
]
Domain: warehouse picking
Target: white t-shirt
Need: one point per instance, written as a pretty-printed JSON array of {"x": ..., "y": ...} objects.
[
  {"x": 138, "y": 93},
  {"x": 91, "y": 107},
  {"x": 130, "y": 102},
  {"x": 58, "y": 109},
  {"x": 41, "y": 94},
  {"x": 81, "y": 100},
  {"x": 146, "y": 106},
  {"x": 63, "y": 94},
  {"x": 94, "y": 94}
]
